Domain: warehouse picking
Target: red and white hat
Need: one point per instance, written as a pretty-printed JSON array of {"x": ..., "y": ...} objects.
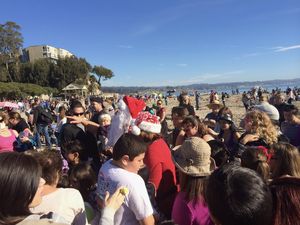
[
  {"x": 134, "y": 105},
  {"x": 147, "y": 122}
]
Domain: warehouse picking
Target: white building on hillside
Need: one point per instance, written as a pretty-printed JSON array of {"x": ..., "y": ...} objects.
[{"x": 33, "y": 53}]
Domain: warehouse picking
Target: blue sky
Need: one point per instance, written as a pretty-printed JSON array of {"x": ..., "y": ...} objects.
[{"x": 169, "y": 42}]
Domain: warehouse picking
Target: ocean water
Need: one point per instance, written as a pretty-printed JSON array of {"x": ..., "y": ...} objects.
[{"x": 267, "y": 87}]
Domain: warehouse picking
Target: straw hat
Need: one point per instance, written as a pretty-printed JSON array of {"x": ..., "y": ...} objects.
[
  {"x": 214, "y": 103},
  {"x": 193, "y": 157}
]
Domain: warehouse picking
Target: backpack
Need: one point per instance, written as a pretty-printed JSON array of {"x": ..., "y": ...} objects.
[{"x": 45, "y": 116}]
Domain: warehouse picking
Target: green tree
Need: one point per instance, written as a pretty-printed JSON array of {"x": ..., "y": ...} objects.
[
  {"x": 102, "y": 72},
  {"x": 3, "y": 74},
  {"x": 11, "y": 41},
  {"x": 93, "y": 85},
  {"x": 14, "y": 71},
  {"x": 68, "y": 70},
  {"x": 26, "y": 73},
  {"x": 41, "y": 71}
]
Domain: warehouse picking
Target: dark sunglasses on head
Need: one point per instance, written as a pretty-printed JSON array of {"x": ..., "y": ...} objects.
[{"x": 78, "y": 114}]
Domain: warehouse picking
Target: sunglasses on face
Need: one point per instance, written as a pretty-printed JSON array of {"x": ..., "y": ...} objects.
[{"x": 78, "y": 114}]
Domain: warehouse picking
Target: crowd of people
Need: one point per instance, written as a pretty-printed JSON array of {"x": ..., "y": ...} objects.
[{"x": 120, "y": 161}]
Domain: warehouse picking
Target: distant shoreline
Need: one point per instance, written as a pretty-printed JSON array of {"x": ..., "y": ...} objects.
[{"x": 205, "y": 88}]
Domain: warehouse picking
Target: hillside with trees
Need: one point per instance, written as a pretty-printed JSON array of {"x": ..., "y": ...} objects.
[{"x": 43, "y": 72}]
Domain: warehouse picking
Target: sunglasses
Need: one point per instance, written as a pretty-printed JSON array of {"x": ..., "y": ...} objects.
[{"x": 78, "y": 114}]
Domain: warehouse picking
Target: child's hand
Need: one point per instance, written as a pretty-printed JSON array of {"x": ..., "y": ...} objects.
[{"x": 117, "y": 199}]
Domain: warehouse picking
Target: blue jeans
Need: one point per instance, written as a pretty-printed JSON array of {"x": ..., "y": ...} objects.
[{"x": 42, "y": 129}]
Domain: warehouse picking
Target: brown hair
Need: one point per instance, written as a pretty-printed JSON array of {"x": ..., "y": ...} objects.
[
  {"x": 149, "y": 137},
  {"x": 3, "y": 117},
  {"x": 256, "y": 159},
  {"x": 179, "y": 111},
  {"x": 287, "y": 159},
  {"x": 195, "y": 121},
  {"x": 14, "y": 115},
  {"x": 202, "y": 129},
  {"x": 225, "y": 110},
  {"x": 83, "y": 179},
  {"x": 51, "y": 163},
  {"x": 193, "y": 187},
  {"x": 286, "y": 200}
]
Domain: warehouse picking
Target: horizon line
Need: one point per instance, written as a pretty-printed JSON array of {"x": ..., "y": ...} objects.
[{"x": 172, "y": 86}]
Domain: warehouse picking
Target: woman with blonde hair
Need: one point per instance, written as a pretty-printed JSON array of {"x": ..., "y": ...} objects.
[{"x": 260, "y": 130}]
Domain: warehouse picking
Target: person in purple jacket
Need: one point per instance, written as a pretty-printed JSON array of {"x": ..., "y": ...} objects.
[{"x": 194, "y": 163}]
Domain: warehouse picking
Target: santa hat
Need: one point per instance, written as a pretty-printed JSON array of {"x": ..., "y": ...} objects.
[
  {"x": 122, "y": 121},
  {"x": 134, "y": 105},
  {"x": 147, "y": 122}
]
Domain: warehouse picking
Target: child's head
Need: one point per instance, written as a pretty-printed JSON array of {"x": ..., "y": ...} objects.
[
  {"x": 256, "y": 158},
  {"x": 178, "y": 114},
  {"x": 225, "y": 121},
  {"x": 62, "y": 110},
  {"x": 74, "y": 152},
  {"x": 129, "y": 152},
  {"x": 194, "y": 163},
  {"x": 104, "y": 120},
  {"x": 215, "y": 106},
  {"x": 219, "y": 152},
  {"x": 238, "y": 196},
  {"x": 190, "y": 125},
  {"x": 83, "y": 179},
  {"x": 185, "y": 99},
  {"x": 290, "y": 112},
  {"x": 51, "y": 162},
  {"x": 225, "y": 118}
]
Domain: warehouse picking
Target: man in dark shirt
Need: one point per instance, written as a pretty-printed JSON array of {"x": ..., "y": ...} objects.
[
  {"x": 97, "y": 106},
  {"x": 71, "y": 131},
  {"x": 41, "y": 125},
  {"x": 291, "y": 126}
]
